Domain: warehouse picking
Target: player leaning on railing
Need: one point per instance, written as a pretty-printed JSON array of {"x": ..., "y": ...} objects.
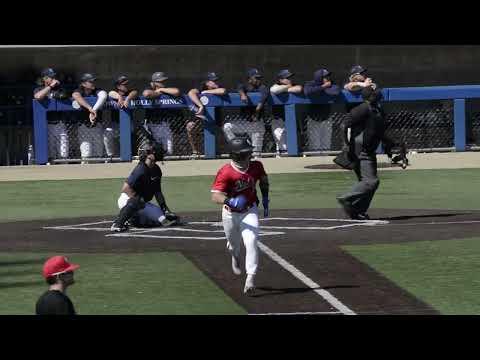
[
  {"x": 209, "y": 86},
  {"x": 51, "y": 88},
  {"x": 123, "y": 92},
  {"x": 90, "y": 134},
  {"x": 284, "y": 84},
  {"x": 158, "y": 125},
  {"x": 251, "y": 118}
]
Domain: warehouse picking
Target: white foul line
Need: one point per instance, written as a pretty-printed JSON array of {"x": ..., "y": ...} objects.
[
  {"x": 302, "y": 313},
  {"x": 332, "y": 300},
  {"x": 142, "y": 234},
  {"x": 166, "y": 236}
]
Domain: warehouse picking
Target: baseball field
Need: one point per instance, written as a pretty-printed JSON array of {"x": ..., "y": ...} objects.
[{"x": 418, "y": 255}]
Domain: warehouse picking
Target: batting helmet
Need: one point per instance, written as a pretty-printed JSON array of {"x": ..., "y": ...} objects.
[{"x": 240, "y": 148}]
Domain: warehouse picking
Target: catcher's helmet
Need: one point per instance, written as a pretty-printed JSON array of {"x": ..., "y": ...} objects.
[
  {"x": 240, "y": 148},
  {"x": 148, "y": 148}
]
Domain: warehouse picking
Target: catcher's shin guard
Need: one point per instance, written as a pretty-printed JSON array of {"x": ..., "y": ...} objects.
[{"x": 129, "y": 210}]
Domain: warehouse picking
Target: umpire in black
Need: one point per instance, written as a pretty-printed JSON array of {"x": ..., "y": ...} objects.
[{"x": 366, "y": 127}]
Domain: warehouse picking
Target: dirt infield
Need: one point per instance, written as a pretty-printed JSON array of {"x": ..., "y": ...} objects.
[{"x": 302, "y": 267}]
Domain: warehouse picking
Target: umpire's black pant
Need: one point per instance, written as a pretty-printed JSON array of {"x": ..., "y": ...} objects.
[{"x": 361, "y": 194}]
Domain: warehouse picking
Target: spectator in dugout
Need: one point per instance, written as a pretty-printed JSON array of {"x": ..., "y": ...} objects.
[
  {"x": 123, "y": 93},
  {"x": 209, "y": 86},
  {"x": 90, "y": 133},
  {"x": 51, "y": 88},
  {"x": 58, "y": 274},
  {"x": 158, "y": 124},
  {"x": 250, "y": 120},
  {"x": 284, "y": 84},
  {"x": 319, "y": 127}
]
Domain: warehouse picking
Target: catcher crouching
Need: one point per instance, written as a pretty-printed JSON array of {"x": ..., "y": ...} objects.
[{"x": 144, "y": 183}]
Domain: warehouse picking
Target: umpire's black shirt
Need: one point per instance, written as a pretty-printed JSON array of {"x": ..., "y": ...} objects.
[
  {"x": 370, "y": 120},
  {"x": 145, "y": 181},
  {"x": 54, "y": 302}
]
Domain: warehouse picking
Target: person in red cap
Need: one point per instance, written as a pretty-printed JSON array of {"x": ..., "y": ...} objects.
[{"x": 58, "y": 273}]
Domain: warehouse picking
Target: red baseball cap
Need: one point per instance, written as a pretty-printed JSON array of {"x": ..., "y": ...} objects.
[{"x": 57, "y": 265}]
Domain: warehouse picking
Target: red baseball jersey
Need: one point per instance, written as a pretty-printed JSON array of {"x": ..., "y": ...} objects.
[{"x": 234, "y": 182}]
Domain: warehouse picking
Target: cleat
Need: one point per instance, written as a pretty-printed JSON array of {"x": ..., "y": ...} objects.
[
  {"x": 165, "y": 222},
  {"x": 118, "y": 228},
  {"x": 249, "y": 285},
  {"x": 362, "y": 216},
  {"x": 347, "y": 208}
]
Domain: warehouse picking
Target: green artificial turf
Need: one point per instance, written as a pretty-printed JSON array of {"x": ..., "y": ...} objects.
[
  {"x": 117, "y": 284},
  {"x": 443, "y": 273},
  {"x": 427, "y": 189}
]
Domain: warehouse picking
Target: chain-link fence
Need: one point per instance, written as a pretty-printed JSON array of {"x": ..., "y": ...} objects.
[
  {"x": 15, "y": 137},
  {"x": 422, "y": 125},
  {"x": 178, "y": 131},
  {"x": 16, "y": 132},
  {"x": 473, "y": 123},
  {"x": 266, "y": 131},
  {"x": 71, "y": 138}
]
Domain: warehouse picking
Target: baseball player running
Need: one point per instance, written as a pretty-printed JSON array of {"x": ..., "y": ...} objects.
[
  {"x": 139, "y": 188},
  {"x": 235, "y": 189}
]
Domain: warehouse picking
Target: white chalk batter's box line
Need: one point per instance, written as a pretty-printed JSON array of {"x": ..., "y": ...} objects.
[{"x": 201, "y": 234}]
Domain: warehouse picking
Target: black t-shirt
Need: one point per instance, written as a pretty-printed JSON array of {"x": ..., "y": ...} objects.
[
  {"x": 145, "y": 181},
  {"x": 54, "y": 302},
  {"x": 369, "y": 119}
]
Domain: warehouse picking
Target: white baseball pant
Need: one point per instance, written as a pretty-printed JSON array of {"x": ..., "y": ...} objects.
[
  {"x": 150, "y": 215},
  {"x": 109, "y": 136},
  {"x": 319, "y": 134},
  {"x": 279, "y": 134},
  {"x": 163, "y": 134},
  {"x": 58, "y": 142},
  {"x": 254, "y": 129},
  {"x": 242, "y": 226},
  {"x": 91, "y": 141}
]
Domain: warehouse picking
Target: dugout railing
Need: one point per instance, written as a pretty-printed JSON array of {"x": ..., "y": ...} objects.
[{"x": 426, "y": 118}]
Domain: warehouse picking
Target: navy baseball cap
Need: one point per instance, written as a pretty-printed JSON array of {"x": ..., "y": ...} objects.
[
  {"x": 211, "y": 76},
  {"x": 48, "y": 72},
  {"x": 320, "y": 74},
  {"x": 254, "y": 73},
  {"x": 285, "y": 74},
  {"x": 88, "y": 77},
  {"x": 159, "y": 76},
  {"x": 357, "y": 69},
  {"x": 121, "y": 79}
]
